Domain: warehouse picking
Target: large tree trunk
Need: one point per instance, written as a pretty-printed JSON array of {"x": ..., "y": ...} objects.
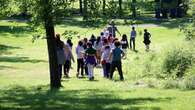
[
  {"x": 55, "y": 81},
  {"x": 81, "y": 6}
]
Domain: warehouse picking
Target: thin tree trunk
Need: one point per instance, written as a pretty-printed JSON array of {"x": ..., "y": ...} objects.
[
  {"x": 81, "y": 6},
  {"x": 104, "y": 7},
  {"x": 55, "y": 81},
  {"x": 134, "y": 14},
  {"x": 120, "y": 7},
  {"x": 85, "y": 13}
]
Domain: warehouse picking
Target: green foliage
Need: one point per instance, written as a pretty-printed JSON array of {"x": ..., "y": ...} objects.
[
  {"x": 8, "y": 7},
  {"x": 177, "y": 61},
  {"x": 111, "y": 9},
  {"x": 189, "y": 29},
  {"x": 69, "y": 34},
  {"x": 91, "y": 10}
]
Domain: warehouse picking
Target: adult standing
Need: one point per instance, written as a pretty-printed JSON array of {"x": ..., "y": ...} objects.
[
  {"x": 60, "y": 54},
  {"x": 147, "y": 41},
  {"x": 112, "y": 29},
  {"x": 133, "y": 35}
]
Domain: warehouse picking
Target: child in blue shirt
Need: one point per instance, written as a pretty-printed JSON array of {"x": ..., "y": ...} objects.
[{"x": 116, "y": 55}]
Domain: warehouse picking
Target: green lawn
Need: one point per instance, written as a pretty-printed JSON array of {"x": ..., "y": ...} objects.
[{"x": 24, "y": 74}]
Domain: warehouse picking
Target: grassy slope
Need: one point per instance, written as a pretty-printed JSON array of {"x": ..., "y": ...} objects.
[{"x": 24, "y": 76}]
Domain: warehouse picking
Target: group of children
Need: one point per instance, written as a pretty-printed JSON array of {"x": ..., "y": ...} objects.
[{"x": 105, "y": 51}]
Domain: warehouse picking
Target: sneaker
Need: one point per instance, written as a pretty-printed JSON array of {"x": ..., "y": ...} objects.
[
  {"x": 91, "y": 79},
  {"x": 122, "y": 79},
  {"x": 77, "y": 75}
]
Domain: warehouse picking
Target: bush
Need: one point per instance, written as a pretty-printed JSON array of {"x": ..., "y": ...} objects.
[{"x": 177, "y": 61}]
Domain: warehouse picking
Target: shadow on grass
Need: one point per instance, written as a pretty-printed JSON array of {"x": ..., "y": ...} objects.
[
  {"x": 4, "y": 49},
  {"x": 15, "y": 30},
  {"x": 19, "y": 60},
  {"x": 2, "y": 67},
  {"x": 168, "y": 23},
  {"x": 101, "y": 22},
  {"x": 83, "y": 24},
  {"x": 21, "y": 98}
]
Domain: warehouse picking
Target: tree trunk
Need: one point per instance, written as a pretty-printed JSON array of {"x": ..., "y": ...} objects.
[
  {"x": 104, "y": 7},
  {"x": 85, "y": 13},
  {"x": 81, "y": 6},
  {"x": 120, "y": 7},
  {"x": 55, "y": 81},
  {"x": 134, "y": 9}
]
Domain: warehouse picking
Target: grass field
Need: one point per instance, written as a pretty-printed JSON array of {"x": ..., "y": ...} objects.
[{"x": 24, "y": 74}]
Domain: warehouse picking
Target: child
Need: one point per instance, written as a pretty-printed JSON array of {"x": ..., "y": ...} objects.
[
  {"x": 92, "y": 39},
  {"x": 70, "y": 45},
  {"x": 124, "y": 43},
  {"x": 85, "y": 41},
  {"x": 69, "y": 57},
  {"x": 90, "y": 53},
  {"x": 105, "y": 61},
  {"x": 147, "y": 41},
  {"x": 80, "y": 58},
  {"x": 116, "y": 60},
  {"x": 102, "y": 35},
  {"x": 112, "y": 46},
  {"x": 98, "y": 45}
]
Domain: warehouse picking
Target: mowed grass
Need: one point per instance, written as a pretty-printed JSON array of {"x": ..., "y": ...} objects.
[{"x": 24, "y": 74}]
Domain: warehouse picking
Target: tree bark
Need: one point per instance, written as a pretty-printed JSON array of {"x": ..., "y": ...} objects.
[
  {"x": 81, "y": 6},
  {"x": 134, "y": 14},
  {"x": 85, "y": 13},
  {"x": 120, "y": 7},
  {"x": 55, "y": 81},
  {"x": 104, "y": 7}
]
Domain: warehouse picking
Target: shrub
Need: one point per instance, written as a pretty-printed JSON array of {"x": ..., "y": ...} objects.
[{"x": 177, "y": 61}]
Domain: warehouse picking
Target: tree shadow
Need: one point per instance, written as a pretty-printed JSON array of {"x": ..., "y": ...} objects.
[
  {"x": 19, "y": 60},
  {"x": 168, "y": 23},
  {"x": 15, "y": 30},
  {"x": 101, "y": 22},
  {"x": 82, "y": 24},
  {"x": 85, "y": 99},
  {"x": 2, "y": 67},
  {"x": 4, "y": 49}
]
